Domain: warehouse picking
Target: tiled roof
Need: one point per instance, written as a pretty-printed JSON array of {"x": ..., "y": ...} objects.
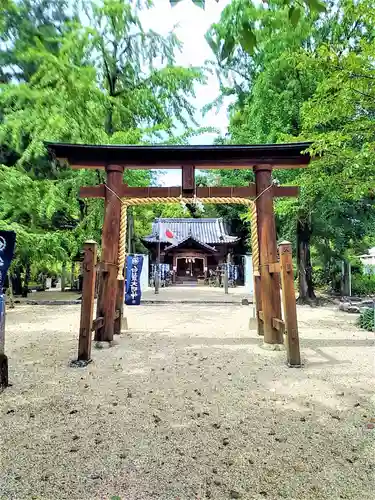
[
  {"x": 200, "y": 244},
  {"x": 209, "y": 231}
]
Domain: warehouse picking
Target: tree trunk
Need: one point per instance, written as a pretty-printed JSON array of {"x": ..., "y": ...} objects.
[
  {"x": 305, "y": 282},
  {"x": 72, "y": 270},
  {"x": 109, "y": 128},
  {"x": 17, "y": 281},
  {"x": 345, "y": 278},
  {"x": 63, "y": 277},
  {"x": 25, "y": 288},
  {"x": 9, "y": 293}
]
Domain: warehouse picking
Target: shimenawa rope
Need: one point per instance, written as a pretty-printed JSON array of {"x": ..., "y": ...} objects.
[{"x": 126, "y": 202}]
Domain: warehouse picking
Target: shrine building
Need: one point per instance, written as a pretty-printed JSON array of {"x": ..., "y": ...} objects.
[{"x": 200, "y": 245}]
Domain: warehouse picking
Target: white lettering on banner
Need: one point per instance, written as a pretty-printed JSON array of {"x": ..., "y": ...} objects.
[
  {"x": 134, "y": 280},
  {"x": 3, "y": 243},
  {"x": 133, "y": 287},
  {"x": 1, "y": 262}
]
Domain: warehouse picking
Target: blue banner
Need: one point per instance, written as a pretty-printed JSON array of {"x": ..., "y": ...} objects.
[
  {"x": 233, "y": 272},
  {"x": 7, "y": 243},
  {"x": 2, "y": 322},
  {"x": 133, "y": 292}
]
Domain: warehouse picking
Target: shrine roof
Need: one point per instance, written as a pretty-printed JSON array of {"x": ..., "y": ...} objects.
[
  {"x": 207, "y": 231},
  {"x": 192, "y": 241},
  {"x": 210, "y": 156}
]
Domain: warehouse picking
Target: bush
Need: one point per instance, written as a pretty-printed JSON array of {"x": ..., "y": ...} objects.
[
  {"x": 366, "y": 319},
  {"x": 320, "y": 277},
  {"x": 363, "y": 284}
]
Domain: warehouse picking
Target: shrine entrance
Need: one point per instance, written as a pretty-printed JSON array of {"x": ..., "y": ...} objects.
[
  {"x": 262, "y": 159},
  {"x": 190, "y": 267}
]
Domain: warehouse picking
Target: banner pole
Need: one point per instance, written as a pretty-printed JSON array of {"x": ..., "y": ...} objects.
[{"x": 3, "y": 358}]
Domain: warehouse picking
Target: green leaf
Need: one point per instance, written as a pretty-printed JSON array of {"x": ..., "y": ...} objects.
[
  {"x": 294, "y": 15},
  {"x": 316, "y": 5},
  {"x": 174, "y": 2},
  {"x": 248, "y": 39}
]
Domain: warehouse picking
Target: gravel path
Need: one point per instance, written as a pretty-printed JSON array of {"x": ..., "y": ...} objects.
[{"x": 187, "y": 406}]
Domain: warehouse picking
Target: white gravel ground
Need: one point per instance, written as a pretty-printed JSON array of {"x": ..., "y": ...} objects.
[{"x": 187, "y": 406}]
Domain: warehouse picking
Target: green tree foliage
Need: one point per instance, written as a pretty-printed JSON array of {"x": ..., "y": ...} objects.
[
  {"x": 239, "y": 23},
  {"x": 96, "y": 77},
  {"x": 101, "y": 86},
  {"x": 25, "y": 24},
  {"x": 312, "y": 80}
]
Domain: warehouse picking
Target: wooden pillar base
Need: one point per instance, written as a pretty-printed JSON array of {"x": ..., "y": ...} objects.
[
  {"x": 290, "y": 307},
  {"x": 107, "y": 303},
  {"x": 100, "y": 301},
  {"x": 119, "y": 306},
  {"x": 80, "y": 363},
  {"x": 4, "y": 382},
  {"x": 258, "y": 304},
  {"x": 87, "y": 304},
  {"x": 271, "y": 305}
]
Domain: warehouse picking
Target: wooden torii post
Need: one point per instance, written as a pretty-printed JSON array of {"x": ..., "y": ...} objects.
[{"x": 115, "y": 159}]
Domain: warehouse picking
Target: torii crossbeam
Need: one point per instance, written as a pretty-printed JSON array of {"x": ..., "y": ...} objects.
[{"x": 116, "y": 159}]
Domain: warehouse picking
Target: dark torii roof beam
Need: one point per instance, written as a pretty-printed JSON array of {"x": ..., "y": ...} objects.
[{"x": 171, "y": 157}]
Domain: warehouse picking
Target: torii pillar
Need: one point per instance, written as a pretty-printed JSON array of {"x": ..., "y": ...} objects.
[
  {"x": 269, "y": 282},
  {"x": 110, "y": 287}
]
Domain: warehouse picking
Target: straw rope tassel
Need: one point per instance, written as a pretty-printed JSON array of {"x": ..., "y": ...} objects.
[
  {"x": 254, "y": 236},
  {"x": 122, "y": 240}
]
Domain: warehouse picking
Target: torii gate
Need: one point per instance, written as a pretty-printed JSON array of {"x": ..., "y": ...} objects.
[{"x": 116, "y": 159}]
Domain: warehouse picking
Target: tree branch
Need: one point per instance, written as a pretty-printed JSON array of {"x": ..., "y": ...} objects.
[{"x": 370, "y": 96}]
